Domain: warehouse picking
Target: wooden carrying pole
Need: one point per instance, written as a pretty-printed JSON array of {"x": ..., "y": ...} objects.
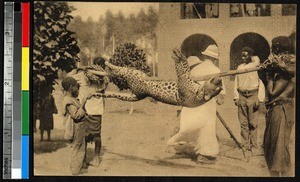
[
  {"x": 230, "y": 132},
  {"x": 226, "y": 73},
  {"x": 222, "y": 74}
]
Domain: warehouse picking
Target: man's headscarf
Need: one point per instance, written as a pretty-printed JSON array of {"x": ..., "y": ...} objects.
[{"x": 281, "y": 44}]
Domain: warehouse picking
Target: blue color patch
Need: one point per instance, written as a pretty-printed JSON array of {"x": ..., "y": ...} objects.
[{"x": 25, "y": 157}]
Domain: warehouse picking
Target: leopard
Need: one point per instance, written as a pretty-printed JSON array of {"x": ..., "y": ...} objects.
[{"x": 183, "y": 92}]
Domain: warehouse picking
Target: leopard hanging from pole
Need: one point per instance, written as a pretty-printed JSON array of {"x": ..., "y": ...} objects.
[{"x": 185, "y": 92}]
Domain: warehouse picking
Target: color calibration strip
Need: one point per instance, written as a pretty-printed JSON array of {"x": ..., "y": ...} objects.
[
  {"x": 16, "y": 91},
  {"x": 25, "y": 89},
  {"x": 8, "y": 89},
  {"x": 17, "y": 109}
]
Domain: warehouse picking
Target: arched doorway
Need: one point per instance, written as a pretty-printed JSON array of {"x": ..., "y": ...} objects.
[
  {"x": 194, "y": 44},
  {"x": 255, "y": 41}
]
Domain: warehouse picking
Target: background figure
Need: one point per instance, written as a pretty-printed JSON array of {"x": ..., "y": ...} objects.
[
  {"x": 197, "y": 134},
  {"x": 279, "y": 81},
  {"x": 47, "y": 109},
  {"x": 248, "y": 93}
]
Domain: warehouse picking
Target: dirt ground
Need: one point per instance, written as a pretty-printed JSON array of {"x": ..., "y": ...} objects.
[{"x": 136, "y": 144}]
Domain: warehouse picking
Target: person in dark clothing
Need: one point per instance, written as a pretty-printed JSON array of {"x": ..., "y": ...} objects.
[
  {"x": 47, "y": 109},
  {"x": 279, "y": 80}
]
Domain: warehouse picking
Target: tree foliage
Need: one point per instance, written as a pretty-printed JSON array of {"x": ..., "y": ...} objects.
[
  {"x": 54, "y": 45},
  {"x": 137, "y": 29},
  {"x": 90, "y": 37},
  {"x": 131, "y": 28},
  {"x": 127, "y": 55},
  {"x": 97, "y": 37}
]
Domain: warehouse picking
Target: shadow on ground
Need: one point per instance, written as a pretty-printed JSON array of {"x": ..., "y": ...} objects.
[
  {"x": 47, "y": 147},
  {"x": 158, "y": 161}
]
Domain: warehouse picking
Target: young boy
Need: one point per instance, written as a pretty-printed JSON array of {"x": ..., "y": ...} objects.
[
  {"x": 73, "y": 109},
  {"x": 91, "y": 82}
]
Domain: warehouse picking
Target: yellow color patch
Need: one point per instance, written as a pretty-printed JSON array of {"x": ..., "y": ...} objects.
[{"x": 25, "y": 68}]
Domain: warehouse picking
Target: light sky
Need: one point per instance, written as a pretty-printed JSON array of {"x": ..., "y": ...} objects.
[{"x": 96, "y": 9}]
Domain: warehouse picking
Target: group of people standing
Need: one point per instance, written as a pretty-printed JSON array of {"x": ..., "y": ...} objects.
[
  {"x": 81, "y": 110},
  {"x": 274, "y": 85}
]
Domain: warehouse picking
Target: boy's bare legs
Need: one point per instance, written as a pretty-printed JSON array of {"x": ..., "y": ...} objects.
[
  {"x": 49, "y": 135},
  {"x": 96, "y": 160}
]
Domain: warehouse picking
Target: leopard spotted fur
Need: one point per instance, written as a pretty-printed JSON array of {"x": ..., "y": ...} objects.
[{"x": 185, "y": 92}]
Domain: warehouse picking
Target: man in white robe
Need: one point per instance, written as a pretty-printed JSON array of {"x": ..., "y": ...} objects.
[{"x": 197, "y": 134}]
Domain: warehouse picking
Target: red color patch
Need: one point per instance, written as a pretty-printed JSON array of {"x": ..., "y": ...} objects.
[{"x": 25, "y": 24}]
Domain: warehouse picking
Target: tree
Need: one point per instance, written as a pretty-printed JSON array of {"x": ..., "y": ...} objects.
[
  {"x": 120, "y": 29},
  {"x": 90, "y": 41},
  {"x": 127, "y": 55},
  {"x": 90, "y": 36},
  {"x": 54, "y": 45},
  {"x": 152, "y": 20},
  {"x": 110, "y": 29}
]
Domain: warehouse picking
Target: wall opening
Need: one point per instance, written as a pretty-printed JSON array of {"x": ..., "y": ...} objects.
[
  {"x": 195, "y": 44},
  {"x": 255, "y": 41}
]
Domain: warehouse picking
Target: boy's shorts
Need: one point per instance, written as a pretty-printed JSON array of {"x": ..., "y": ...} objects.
[{"x": 93, "y": 127}]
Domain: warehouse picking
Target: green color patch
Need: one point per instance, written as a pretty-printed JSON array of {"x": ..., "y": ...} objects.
[{"x": 25, "y": 112}]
